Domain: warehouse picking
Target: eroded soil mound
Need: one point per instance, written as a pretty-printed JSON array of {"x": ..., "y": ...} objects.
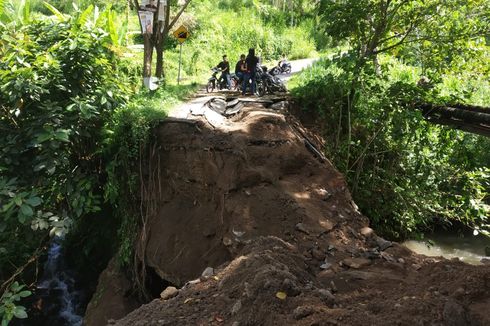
[{"x": 252, "y": 197}]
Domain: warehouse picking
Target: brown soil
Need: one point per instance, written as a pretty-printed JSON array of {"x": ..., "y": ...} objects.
[{"x": 251, "y": 198}]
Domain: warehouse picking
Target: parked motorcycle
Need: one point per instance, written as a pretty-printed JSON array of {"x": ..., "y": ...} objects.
[
  {"x": 259, "y": 84},
  {"x": 272, "y": 84},
  {"x": 281, "y": 68},
  {"x": 215, "y": 82}
]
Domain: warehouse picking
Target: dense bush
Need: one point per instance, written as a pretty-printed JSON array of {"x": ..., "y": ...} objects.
[
  {"x": 405, "y": 174},
  {"x": 58, "y": 89}
]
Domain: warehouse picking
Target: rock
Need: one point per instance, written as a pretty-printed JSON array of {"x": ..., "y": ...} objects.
[
  {"x": 169, "y": 292},
  {"x": 208, "y": 272},
  {"x": 459, "y": 292},
  {"x": 291, "y": 288},
  {"x": 318, "y": 254},
  {"x": 485, "y": 261},
  {"x": 302, "y": 312},
  {"x": 227, "y": 241},
  {"x": 322, "y": 194},
  {"x": 325, "y": 265},
  {"x": 397, "y": 305},
  {"x": 331, "y": 247},
  {"x": 279, "y": 105},
  {"x": 236, "y": 307},
  {"x": 454, "y": 314},
  {"x": 367, "y": 232},
  {"x": 326, "y": 226},
  {"x": 235, "y": 324},
  {"x": 333, "y": 287},
  {"x": 383, "y": 244},
  {"x": 356, "y": 263},
  {"x": 327, "y": 296},
  {"x": 416, "y": 266},
  {"x": 302, "y": 228},
  {"x": 401, "y": 260}
]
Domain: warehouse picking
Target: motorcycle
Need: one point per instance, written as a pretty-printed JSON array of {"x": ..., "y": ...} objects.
[
  {"x": 281, "y": 68},
  {"x": 217, "y": 82},
  {"x": 272, "y": 83},
  {"x": 259, "y": 85}
]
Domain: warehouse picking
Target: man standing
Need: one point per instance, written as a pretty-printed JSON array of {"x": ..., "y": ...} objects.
[
  {"x": 241, "y": 67},
  {"x": 224, "y": 66},
  {"x": 251, "y": 62}
]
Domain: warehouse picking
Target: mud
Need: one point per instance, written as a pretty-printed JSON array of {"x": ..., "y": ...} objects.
[{"x": 253, "y": 197}]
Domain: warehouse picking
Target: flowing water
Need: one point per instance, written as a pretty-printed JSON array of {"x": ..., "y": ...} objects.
[
  {"x": 470, "y": 249},
  {"x": 57, "y": 301}
]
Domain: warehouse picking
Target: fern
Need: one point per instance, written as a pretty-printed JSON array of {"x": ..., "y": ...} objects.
[{"x": 84, "y": 16}]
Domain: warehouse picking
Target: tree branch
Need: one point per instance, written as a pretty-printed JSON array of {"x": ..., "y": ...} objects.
[{"x": 178, "y": 15}]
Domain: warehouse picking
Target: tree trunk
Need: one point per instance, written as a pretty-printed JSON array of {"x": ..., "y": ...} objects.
[{"x": 148, "y": 55}]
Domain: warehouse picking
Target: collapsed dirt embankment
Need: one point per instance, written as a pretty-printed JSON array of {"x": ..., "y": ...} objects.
[{"x": 252, "y": 197}]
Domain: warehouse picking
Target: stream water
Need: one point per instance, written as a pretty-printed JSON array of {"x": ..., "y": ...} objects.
[
  {"x": 470, "y": 249},
  {"x": 56, "y": 301}
]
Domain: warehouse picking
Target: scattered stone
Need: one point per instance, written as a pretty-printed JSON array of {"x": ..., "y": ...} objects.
[
  {"x": 169, "y": 292},
  {"x": 302, "y": 312},
  {"x": 236, "y": 307},
  {"x": 356, "y": 263},
  {"x": 238, "y": 233},
  {"x": 208, "y": 272},
  {"x": 235, "y": 324},
  {"x": 383, "y": 244},
  {"x": 111, "y": 321},
  {"x": 367, "y": 232},
  {"x": 318, "y": 254},
  {"x": 279, "y": 105},
  {"x": 333, "y": 287},
  {"x": 291, "y": 288},
  {"x": 331, "y": 247},
  {"x": 302, "y": 228},
  {"x": 454, "y": 314},
  {"x": 416, "y": 266},
  {"x": 326, "y": 225},
  {"x": 371, "y": 254},
  {"x": 327, "y": 296},
  {"x": 325, "y": 265},
  {"x": 227, "y": 241},
  {"x": 485, "y": 261},
  {"x": 323, "y": 194},
  {"x": 397, "y": 305},
  {"x": 401, "y": 260}
]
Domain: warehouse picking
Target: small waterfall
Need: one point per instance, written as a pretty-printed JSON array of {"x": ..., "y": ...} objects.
[{"x": 56, "y": 292}]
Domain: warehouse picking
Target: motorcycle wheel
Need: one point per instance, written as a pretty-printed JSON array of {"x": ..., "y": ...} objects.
[
  {"x": 288, "y": 70},
  {"x": 234, "y": 84},
  {"x": 210, "y": 86},
  {"x": 260, "y": 89}
]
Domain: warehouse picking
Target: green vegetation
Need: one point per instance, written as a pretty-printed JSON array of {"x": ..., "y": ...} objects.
[
  {"x": 406, "y": 175},
  {"x": 75, "y": 122}
]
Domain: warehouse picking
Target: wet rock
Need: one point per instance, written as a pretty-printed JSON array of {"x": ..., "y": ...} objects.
[
  {"x": 302, "y": 312},
  {"x": 208, "y": 272},
  {"x": 169, "y": 292},
  {"x": 367, "y": 232},
  {"x": 383, "y": 244},
  {"x": 356, "y": 263},
  {"x": 454, "y": 314},
  {"x": 302, "y": 228},
  {"x": 236, "y": 307}
]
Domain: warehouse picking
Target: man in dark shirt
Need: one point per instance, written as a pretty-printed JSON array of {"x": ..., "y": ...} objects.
[
  {"x": 224, "y": 66},
  {"x": 241, "y": 67},
  {"x": 251, "y": 62}
]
